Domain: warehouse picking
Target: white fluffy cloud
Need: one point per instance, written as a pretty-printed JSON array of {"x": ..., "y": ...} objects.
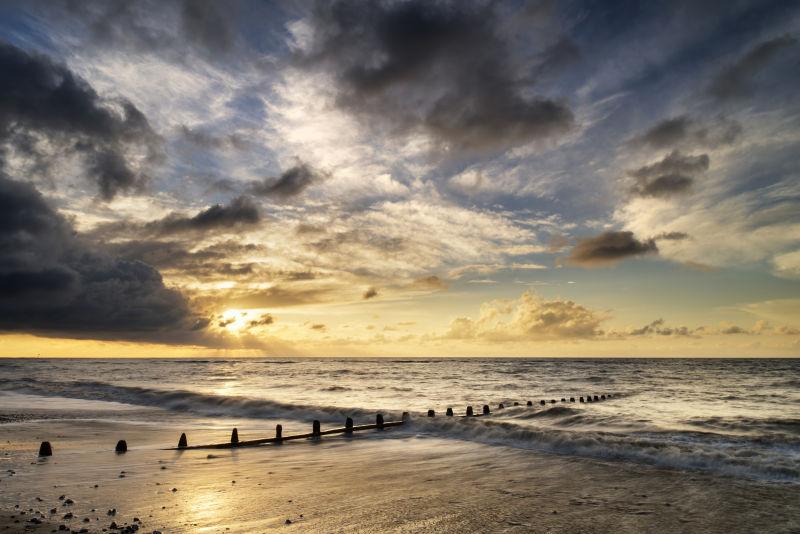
[{"x": 529, "y": 317}]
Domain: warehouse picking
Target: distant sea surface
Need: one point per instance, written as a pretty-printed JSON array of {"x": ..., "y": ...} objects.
[{"x": 739, "y": 418}]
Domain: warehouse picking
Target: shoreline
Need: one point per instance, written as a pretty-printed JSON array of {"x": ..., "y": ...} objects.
[{"x": 370, "y": 483}]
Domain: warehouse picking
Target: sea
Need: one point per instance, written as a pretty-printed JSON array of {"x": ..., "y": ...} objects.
[{"x": 733, "y": 417}]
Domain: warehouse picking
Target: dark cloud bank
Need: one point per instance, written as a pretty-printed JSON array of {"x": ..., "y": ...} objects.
[
  {"x": 672, "y": 175},
  {"x": 442, "y": 67},
  {"x": 40, "y": 98},
  {"x": 736, "y": 80},
  {"x": 291, "y": 183},
  {"x": 51, "y": 282},
  {"x": 609, "y": 248}
]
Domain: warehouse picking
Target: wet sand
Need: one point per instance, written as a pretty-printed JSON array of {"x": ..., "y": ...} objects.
[{"x": 369, "y": 483}]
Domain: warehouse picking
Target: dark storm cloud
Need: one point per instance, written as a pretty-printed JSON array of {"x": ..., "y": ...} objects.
[
  {"x": 52, "y": 282},
  {"x": 672, "y": 175},
  {"x": 609, "y": 248},
  {"x": 691, "y": 133},
  {"x": 207, "y": 23},
  {"x": 41, "y": 97},
  {"x": 736, "y": 80},
  {"x": 212, "y": 262},
  {"x": 667, "y": 133},
  {"x": 289, "y": 184},
  {"x": 439, "y": 66},
  {"x": 172, "y": 26},
  {"x": 240, "y": 212}
]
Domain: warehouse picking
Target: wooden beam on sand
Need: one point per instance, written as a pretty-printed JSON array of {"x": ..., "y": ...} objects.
[
  {"x": 349, "y": 428},
  {"x": 316, "y": 433}
]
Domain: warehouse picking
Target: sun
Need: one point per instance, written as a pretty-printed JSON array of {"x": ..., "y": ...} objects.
[{"x": 234, "y": 321}]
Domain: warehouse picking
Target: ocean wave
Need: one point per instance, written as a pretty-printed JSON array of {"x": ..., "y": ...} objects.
[
  {"x": 749, "y": 424},
  {"x": 717, "y": 454},
  {"x": 185, "y": 401}
]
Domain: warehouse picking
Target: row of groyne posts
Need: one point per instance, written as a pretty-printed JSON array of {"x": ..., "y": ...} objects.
[{"x": 46, "y": 449}]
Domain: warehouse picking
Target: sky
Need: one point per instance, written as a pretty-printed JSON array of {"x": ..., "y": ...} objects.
[{"x": 399, "y": 178}]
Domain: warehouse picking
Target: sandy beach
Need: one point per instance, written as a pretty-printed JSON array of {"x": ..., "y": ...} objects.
[{"x": 395, "y": 481}]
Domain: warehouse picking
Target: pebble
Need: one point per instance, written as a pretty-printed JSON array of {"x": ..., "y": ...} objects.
[
  {"x": 287, "y": 522},
  {"x": 68, "y": 515}
]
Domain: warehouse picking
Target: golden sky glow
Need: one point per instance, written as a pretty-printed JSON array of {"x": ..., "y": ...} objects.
[{"x": 299, "y": 187}]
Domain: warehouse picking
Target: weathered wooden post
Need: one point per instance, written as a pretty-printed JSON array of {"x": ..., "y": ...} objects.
[
  {"x": 552, "y": 401},
  {"x": 121, "y": 447},
  {"x": 182, "y": 441},
  {"x": 348, "y": 425},
  {"x": 315, "y": 430},
  {"x": 581, "y": 399},
  {"x": 529, "y": 403},
  {"x": 406, "y": 417},
  {"x": 278, "y": 433},
  {"x": 431, "y": 413},
  {"x": 500, "y": 406},
  {"x": 602, "y": 397},
  {"x": 542, "y": 402},
  {"x": 379, "y": 421},
  {"x": 45, "y": 449},
  {"x": 596, "y": 398},
  {"x": 469, "y": 411},
  {"x": 563, "y": 399},
  {"x": 516, "y": 403},
  {"x": 235, "y": 437},
  {"x": 449, "y": 412},
  {"x": 486, "y": 409},
  {"x": 588, "y": 398},
  {"x": 572, "y": 399}
]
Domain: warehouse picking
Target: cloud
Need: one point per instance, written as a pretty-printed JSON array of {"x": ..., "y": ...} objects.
[
  {"x": 687, "y": 132},
  {"x": 41, "y": 98},
  {"x": 657, "y": 327},
  {"x": 273, "y": 297},
  {"x": 787, "y": 265},
  {"x": 206, "y": 23},
  {"x": 672, "y": 236},
  {"x": 206, "y": 140},
  {"x": 264, "y": 320},
  {"x": 609, "y": 248},
  {"x": 736, "y": 80},
  {"x": 733, "y": 329},
  {"x": 370, "y": 293},
  {"x": 443, "y": 68},
  {"x": 529, "y": 317},
  {"x": 429, "y": 283},
  {"x": 52, "y": 282},
  {"x": 240, "y": 212},
  {"x": 174, "y": 27},
  {"x": 289, "y": 184},
  {"x": 672, "y": 175}
]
